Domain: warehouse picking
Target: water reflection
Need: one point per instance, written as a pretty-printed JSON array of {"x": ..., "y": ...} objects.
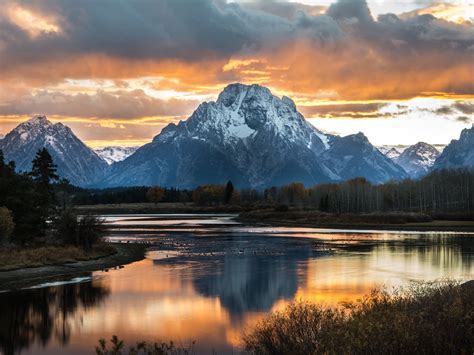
[
  {"x": 38, "y": 315},
  {"x": 209, "y": 285},
  {"x": 245, "y": 274}
]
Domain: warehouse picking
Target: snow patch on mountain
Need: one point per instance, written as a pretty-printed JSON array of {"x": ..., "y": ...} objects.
[
  {"x": 418, "y": 159},
  {"x": 114, "y": 154}
]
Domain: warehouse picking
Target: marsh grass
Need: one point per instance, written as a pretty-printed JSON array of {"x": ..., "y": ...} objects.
[
  {"x": 429, "y": 318},
  {"x": 51, "y": 255}
]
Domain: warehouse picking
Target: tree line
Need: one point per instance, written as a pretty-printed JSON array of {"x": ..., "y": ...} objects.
[
  {"x": 35, "y": 207},
  {"x": 444, "y": 191}
]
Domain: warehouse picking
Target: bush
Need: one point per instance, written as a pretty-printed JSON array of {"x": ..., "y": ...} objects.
[
  {"x": 422, "y": 319},
  {"x": 90, "y": 230},
  {"x": 81, "y": 231},
  {"x": 66, "y": 227},
  {"x": 6, "y": 225}
]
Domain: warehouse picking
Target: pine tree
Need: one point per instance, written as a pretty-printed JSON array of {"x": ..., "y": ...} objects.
[
  {"x": 44, "y": 170},
  {"x": 229, "y": 190}
]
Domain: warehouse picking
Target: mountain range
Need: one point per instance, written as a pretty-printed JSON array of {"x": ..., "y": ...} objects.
[{"x": 248, "y": 136}]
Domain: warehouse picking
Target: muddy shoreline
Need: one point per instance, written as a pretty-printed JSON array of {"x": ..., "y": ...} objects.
[
  {"x": 435, "y": 226},
  {"x": 26, "y": 277}
]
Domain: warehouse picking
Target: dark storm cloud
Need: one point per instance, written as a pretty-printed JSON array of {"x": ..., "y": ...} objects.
[
  {"x": 345, "y": 50},
  {"x": 359, "y": 110},
  {"x": 119, "y": 104},
  {"x": 193, "y": 29},
  {"x": 184, "y": 29},
  {"x": 464, "y": 119},
  {"x": 464, "y": 107}
]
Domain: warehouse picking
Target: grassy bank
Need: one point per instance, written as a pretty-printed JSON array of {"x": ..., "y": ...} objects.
[
  {"x": 390, "y": 221},
  {"x": 423, "y": 319},
  {"x": 29, "y": 276},
  {"x": 51, "y": 255}
]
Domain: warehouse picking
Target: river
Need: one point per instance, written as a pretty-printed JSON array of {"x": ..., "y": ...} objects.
[{"x": 207, "y": 278}]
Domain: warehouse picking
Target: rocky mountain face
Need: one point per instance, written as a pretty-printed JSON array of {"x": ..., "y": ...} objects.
[
  {"x": 418, "y": 159},
  {"x": 390, "y": 152},
  {"x": 75, "y": 161},
  {"x": 114, "y": 154},
  {"x": 459, "y": 153},
  {"x": 256, "y": 140},
  {"x": 354, "y": 156}
]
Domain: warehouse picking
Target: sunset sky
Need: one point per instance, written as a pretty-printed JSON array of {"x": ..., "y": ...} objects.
[{"x": 117, "y": 71}]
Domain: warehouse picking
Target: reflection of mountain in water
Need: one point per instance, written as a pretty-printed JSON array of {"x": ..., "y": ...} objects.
[
  {"x": 37, "y": 315},
  {"x": 250, "y": 273},
  {"x": 250, "y": 283}
]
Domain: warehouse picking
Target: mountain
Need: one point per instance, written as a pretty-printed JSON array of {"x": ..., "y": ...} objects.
[
  {"x": 418, "y": 159},
  {"x": 114, "y": 154},
  {"x": 75, "y": 161},
  {"x": 390, "y": 152},
  {"x": 253, "y": 138},
  {"x": 354, "y": 156},
  {"x": 459, "y": 153}
]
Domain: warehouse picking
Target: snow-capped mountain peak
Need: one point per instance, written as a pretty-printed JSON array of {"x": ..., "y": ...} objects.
[
  {"x": 418, "y": 159},
  {"x": 254, "y": 138},
  {"x": 74, "y": 159}
]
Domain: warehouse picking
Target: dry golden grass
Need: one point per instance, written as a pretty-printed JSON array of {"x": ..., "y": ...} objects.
[{"x": 50, "y": 255}]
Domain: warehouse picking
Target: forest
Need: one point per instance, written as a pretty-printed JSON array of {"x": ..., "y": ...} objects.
[{"x": 444, "y": 191}]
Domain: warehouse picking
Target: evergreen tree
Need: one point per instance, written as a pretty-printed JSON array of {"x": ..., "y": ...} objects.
[
  {"x": 2, "y": 159},
  {"x": 229, "y": 190},
  {"x": 44, "y": 170}
]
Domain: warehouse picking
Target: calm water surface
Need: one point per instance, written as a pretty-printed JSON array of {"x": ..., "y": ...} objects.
[{"x": 206, "y": 278}]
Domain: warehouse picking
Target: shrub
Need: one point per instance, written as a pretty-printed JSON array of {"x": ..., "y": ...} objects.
[
  {"x": 117, "y": 346},
  {"x": 422, "y": 319},
  {"x": 66, "y": 226},
  {"x": 81, "y": 231},
  {"x": 6, "y": 225},
  {"x": 90, "y": 229}
]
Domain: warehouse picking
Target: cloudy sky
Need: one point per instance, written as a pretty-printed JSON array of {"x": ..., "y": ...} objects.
[{"x": 118, "y": 71}]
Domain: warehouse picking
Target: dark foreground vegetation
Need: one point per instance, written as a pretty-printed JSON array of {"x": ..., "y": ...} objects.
[
  {"x": 429, "y": 318},
  {"x": 423, "y": 319},
  {"x": 37, "y": 225}
]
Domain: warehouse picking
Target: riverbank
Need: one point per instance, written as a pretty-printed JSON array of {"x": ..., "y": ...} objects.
[
  {"x": 151, "y": 208},
  {"x": 25, "y": 277},
  {"x": 23, "y": 258},
  {"x": 316, "y": 219}
]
